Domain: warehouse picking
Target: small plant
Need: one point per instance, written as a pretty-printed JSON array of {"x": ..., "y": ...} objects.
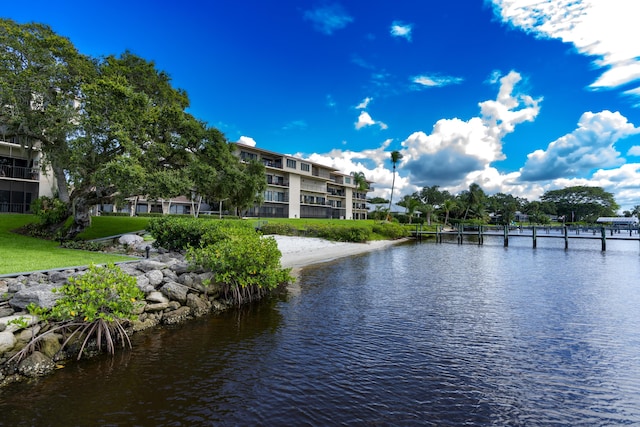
[
  {"x": 21, "y": 322},
  {"x": 94, "y": 305}
]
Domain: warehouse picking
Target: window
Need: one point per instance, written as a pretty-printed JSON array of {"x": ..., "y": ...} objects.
[
  {"x": 291, "y": 163},
  {"x": 347, "y": 180},
  {"x": 305, "y": 167}
]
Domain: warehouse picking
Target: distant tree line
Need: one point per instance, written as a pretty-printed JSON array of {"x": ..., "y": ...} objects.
[
  {"x": 111, "y": 128},
  {"x": 571, "y": 204}
]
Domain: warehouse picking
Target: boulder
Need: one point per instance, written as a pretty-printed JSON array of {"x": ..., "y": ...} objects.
[
  {"x": 151, "y": 308},
  {"x": 36, "y": 365},
  {"x": 60, "y": 276},
  {"x": 7, "y": 341},
  {"x": 50, "y": 345},
  {"x": 198, "y": 306},
  {"x": 130, "y": 239},
  {"x": 155, "y": 277},
  {"x": 176, "y": 316},
  {"x": 148, "y": 265},
  {"x": 156, "y": 296},
  {"x": 175, "y": 291},
  {"x": 41, "y": 295}
]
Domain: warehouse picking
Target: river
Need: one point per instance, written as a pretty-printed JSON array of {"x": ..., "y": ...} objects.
[{"x": 417, "y": 334}]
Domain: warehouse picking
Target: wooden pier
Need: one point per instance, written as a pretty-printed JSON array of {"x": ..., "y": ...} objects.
[{"x": 477, "y": 234}]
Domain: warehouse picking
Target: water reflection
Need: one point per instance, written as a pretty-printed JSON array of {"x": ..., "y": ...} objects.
[{"x": 418, "y": 334}]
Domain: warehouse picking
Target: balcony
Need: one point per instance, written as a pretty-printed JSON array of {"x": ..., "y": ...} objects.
[
  {"x": 277, "y": 181},
  {"x": 19, "y": 172},
  {"x": 272, "y": 163}
]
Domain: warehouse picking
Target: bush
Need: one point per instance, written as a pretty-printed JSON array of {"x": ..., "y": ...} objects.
[
  {"x": 244, "y": 263},
  {"x": 93, "y": 306},
  {"x": 49, "y": 211},
  {"x": 390, "y": 230}
]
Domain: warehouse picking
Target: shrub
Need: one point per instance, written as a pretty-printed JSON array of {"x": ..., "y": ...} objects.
[
  {"x": 390, "y": 230},
  {"x": 244, "y": 263},
  {"x": 92, "y": 306},
  {"x": 49, "y": 211},
  {"x": 282, "y": 229}
]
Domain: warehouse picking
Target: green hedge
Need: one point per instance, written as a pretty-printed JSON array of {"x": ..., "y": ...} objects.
[{"x": 178, "y": 233}]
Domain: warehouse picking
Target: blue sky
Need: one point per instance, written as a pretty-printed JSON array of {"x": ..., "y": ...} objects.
[{"x": 519, "y": 96}]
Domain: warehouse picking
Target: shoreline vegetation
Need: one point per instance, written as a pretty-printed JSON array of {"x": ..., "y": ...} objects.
[{"x": 220, "y": 264}]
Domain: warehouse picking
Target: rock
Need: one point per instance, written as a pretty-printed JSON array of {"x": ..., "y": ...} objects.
[
  {"x": 198, "y": 306},
  {"x": 176, "y": 316},
  {"x": 130, "y": 269},
  {"x": 24, "y": 321},
  {"x": 180, "y": 267},
  {"x": 161, "y": 306},
  {"x": 141, "y": 325},
  {"x": 148, "y": 265},
  {"x": 144, "y": 285},
  {"x": 6, "y": 311},
  {"x": 173, "y": 305},
  {"x": 130, "y": 239},
  {"x": 175, "y": 291},
  {"x": 7, "y": 341},
  {"x": 36, "y": 365},
  {"x": 156, "y": 296},
  {"x": 38, "y": 278},
  {"x": 26, "y": 335},
  {"x": 50, "y": 345},
  {"x": 170, "y": 275},
  {"x": 60, "y": 276},
  {"x": 17, "y": 284},
  {"x": 155, "y": 277},
  {"x": 41, "y": 295}
]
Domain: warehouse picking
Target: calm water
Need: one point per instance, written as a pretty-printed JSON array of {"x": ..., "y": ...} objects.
[{"x": 420, "y": 334}]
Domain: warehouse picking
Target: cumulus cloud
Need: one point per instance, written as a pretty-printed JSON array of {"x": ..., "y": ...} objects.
[
  {"x": 606, "y": 30},
  {"x": 588, "y": 147},
  {"x": 365, "y": 120},
  {"x": 456, "y": 148},
  {"x": 247, "y": 140},
  {"x": 399, "y": 29},
  {"x": 427, "y": 81},
  {"x": 328, "y": 19}
]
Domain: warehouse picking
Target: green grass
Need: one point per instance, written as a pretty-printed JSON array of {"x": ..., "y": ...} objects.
[
  {"x": 21, "y": 253},
  {"x": 104, "y": 226}
]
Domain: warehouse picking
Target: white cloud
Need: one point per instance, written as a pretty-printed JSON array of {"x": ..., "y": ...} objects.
[
  {"x": 329, "y": 18},
  {"x": 365, "y": 120},
  {"x": 247, "y": 140},
  {"x": 606, "y": 30},
  {"x": 588, "y": 147},
  {"x": 399, "y": 29},
  {"x": 455, "y": 148},
  {"x": 634, "y": 151},
  {"x": 365, "y": 102},
  {"x": 435, "y": 80}
]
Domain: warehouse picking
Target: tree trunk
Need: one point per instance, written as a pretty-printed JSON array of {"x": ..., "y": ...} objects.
[
  {"x": 81, "y": 217},
  {"x": 61, "y": 181}
]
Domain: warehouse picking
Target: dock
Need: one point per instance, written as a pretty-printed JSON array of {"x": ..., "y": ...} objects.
[{"x": 477, "y": 233}]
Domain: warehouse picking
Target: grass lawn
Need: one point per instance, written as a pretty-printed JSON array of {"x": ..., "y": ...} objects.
[
  {"x": 21, "y": 253},
  {"x": 104, "y": 226}
]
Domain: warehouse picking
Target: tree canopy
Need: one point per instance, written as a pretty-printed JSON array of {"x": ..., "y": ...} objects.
[{"x": 112, "y": 127}]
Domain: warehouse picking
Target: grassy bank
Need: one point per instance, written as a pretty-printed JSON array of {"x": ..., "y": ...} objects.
[{"x": 21, "y": 253}]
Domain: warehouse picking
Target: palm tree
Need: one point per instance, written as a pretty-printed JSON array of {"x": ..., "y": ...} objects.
[
  {"x": 427, "y": 210},
  {"x": 396, "y": 156},
  {"x": 360, "y": 181},
  {"x": 448, "y": 205},
  {"x": 474, "y": 199}
]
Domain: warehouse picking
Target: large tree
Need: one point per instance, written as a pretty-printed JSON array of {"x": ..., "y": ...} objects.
[
  {"x": 581, "y": 203},
  {"x": 41, "y": 75}
]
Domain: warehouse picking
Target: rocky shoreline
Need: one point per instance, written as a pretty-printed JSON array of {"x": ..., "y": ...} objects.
[
  {"x": 174, "y": 292},
  {"x": 173, "y": 288}
]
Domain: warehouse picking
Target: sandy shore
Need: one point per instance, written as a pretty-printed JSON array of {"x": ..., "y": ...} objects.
[{"x": 299, "y": 252}]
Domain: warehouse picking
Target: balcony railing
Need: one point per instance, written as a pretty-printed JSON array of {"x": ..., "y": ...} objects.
[{"x": 7, "y": 171}]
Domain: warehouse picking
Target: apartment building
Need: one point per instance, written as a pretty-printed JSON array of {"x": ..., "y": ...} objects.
[
  {"x": 298, "y": 188},
  {"x": 21, "y": 179}
]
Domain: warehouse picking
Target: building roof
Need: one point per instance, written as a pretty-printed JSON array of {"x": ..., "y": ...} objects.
[{"x": 618, "y": 219}]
